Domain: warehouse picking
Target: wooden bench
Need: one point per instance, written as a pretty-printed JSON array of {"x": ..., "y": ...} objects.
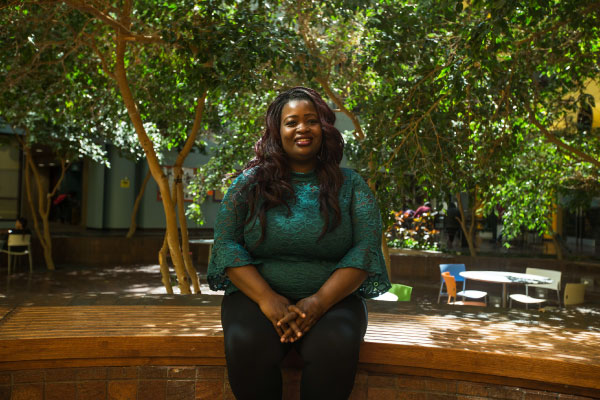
[{"x": 118, "y": 351}]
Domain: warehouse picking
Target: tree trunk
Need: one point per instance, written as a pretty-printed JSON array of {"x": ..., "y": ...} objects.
[
  {"x": 147, "y": 145},
  {"x": 40, "y": 232},
  {"x": 164, "y": 266},
  {"x": 185, "y": 245},
  {"x": 386, "y": 256},
  {"x": 178, "y": 191},
  {"x": 136, "y": 206},
  {"x": 467, "y": 232},
  {"x": 44, "y": 201}
]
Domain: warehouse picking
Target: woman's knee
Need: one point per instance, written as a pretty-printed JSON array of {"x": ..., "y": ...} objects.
[
  {"x": 248, "y": 334},
  {"x": 340, "y": 344}
]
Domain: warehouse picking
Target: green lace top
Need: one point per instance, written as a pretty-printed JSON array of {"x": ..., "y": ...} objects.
[{"x": 290, "y": 258}]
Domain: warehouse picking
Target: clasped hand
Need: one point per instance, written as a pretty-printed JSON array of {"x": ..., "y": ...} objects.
[
  {"x": 300, "y": 318},
  {"x": 292, "y": 321}
]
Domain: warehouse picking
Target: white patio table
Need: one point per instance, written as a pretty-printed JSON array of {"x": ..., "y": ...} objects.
[{"x": 505, "y": 278}]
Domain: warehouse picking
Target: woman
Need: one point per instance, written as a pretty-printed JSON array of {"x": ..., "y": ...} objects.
[{"x": 297, "y": 247}]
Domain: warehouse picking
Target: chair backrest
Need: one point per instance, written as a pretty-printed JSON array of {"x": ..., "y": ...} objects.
[
  {"x": 402, "y": 291},
  {"x": 574, "y": 293},
  {"x": 549, "y": 273},
  {"x": 19, "y": 239},
  {"x": 454, "y": 270},
  {"x": 450, "y": 285}
]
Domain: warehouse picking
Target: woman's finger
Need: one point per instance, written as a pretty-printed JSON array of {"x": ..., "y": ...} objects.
[
  {"x": 287, "y": 335},
  {"x": 294, "y": 308},
  {"x": 287, "y": 318},
  {"x": 305, "y": 324},
  {"x": 297, "y": 332},
  {"x": 278, "y": 330}
]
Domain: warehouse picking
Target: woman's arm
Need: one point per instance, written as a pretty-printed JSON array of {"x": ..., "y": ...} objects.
[
  {"x": 362, "y": 268},
  {"x": 273, "y": 305},
  {"x": 342, "y": 283}
]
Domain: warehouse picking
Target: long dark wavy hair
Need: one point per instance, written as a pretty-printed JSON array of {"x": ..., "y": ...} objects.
[{"x": 269, "y": 185}]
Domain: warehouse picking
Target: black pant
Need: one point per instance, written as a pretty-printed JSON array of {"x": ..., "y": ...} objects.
[{"x": 329, "y": 350}]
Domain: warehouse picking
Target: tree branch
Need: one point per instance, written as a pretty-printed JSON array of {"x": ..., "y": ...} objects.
[
  {"x": 107, "y": 19},
  {"x": 358, "y": 132},
  {"x": 105, "y": 67},
  {"x": 194, "y": 131},
  {"x": 127, "y": 35},
  {"x": 554, "y": 28},
  {"x": 559, "y": 143}
]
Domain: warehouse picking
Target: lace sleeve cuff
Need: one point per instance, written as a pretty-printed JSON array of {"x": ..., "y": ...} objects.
[
  {"x": 377, "y": 281},
  {"x": 226, "y": 256}
]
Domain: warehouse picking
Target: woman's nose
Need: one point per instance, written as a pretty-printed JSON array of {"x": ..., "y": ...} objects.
[{"x": 302, "y": 127}]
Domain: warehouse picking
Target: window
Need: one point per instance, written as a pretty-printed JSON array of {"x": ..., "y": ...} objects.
[{"x": 10, "y": 173}]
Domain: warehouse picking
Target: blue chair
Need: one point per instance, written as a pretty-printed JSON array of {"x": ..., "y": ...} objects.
[{"x": 454, "y": 270}]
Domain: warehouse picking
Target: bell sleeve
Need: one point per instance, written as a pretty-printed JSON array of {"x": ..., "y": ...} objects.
[
  {"x": 365, "y": 252},
  {"x": 229, "y": 247}
]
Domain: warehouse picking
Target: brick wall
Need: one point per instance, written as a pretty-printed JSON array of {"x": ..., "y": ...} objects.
[{"x": 210, "y": 383}]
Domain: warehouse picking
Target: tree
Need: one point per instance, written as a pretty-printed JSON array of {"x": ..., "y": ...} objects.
[
  {"x": 450, "y": 96},
  {"x": 459, "y": 91},
  {"x": 45, "y": 96},
  {"x": 162, "y": 61}
]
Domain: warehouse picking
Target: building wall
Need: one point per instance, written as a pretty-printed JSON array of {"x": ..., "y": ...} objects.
[
  {"x": 111, "y": 194},
  {"x": 95, "y": 196},
  {"x": 119, "y": 192},
  {"x": 593, "y": 88},
  {"x": 151, "y": 213}
]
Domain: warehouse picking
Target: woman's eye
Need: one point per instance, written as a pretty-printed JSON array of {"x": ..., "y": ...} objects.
[{"x": 290, "y": 123}]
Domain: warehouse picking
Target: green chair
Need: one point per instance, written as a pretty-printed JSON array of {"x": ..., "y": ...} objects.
[{"x": 402, "y": 291}]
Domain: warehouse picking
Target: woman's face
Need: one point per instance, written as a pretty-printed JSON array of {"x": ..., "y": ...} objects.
[{"x": 301, "y": 134}]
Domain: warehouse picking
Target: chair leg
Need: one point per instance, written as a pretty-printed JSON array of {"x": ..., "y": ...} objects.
[
  {"x": 30, "y": 263},
  {"x": 440, "y": 293},
  {"x": 9, "y": 261}
]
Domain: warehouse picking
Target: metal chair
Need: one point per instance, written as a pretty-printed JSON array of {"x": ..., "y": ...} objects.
[
  {"x": 18, "y": 244},
  {"x": 454, "y": 270},
  {"x": 470, "y": 294},
  {"x": 555, "y": 285}
]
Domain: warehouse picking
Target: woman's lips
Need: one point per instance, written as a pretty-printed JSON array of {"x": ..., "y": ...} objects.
[{"x": 303, "y": 141}]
